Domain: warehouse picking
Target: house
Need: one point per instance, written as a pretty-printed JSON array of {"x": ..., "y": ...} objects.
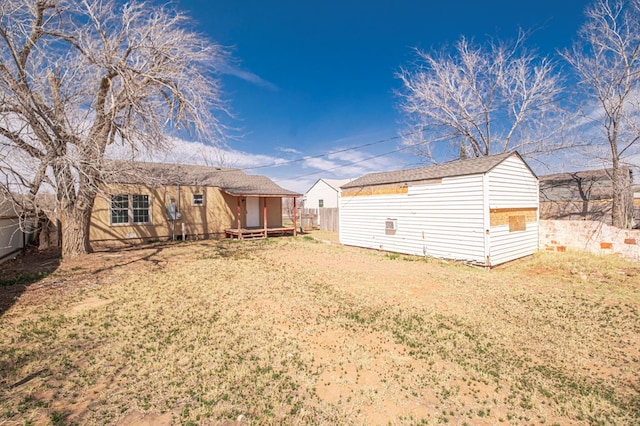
[
  {"x": 16, "y": 228},
  {"x": 152, "y": 201},
  {"x": 583, "y": 195},
  {"x": 321, "y": 205},
  {"x": 324, "y": 193},
  {"x": 483, "y": 210}
]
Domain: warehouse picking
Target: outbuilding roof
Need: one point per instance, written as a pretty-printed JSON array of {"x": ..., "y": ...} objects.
[
  {"x": 454, "y": 168},
  {"x": 233, "y": 181}
]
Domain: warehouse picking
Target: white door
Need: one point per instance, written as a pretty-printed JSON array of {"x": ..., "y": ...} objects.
[{"x": 253, "y": 211}]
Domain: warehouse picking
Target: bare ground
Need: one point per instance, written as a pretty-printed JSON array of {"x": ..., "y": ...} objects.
[{"x": 293, "y": 331}]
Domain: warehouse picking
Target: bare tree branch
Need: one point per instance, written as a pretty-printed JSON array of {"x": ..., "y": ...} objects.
[
  {"x": 494, "y": 98},
  {"x": 607, "y": 63},
  {"x": 78, "y": 76}
]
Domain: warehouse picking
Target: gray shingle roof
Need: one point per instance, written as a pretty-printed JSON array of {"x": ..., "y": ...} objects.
[
  {"x": 580, "y": 186},
  {"x": 455, "y": 168},
  {"x": 232, "y": 181}
]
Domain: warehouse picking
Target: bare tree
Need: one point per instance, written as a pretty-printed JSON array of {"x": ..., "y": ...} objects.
[
  {"x": 77, "y": 76},
  {"x": 607, "y": 63},
  {"x": 487, "y": 98}
]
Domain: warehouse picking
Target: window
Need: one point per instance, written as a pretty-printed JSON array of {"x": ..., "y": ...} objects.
[
  {"x": 320, "y": 203},
  {"x": 198, "y": 200},
  {"x": 140, "y": 208},
  {"x": 127, "y": 209},
  {"x": 119, "y": 209}
]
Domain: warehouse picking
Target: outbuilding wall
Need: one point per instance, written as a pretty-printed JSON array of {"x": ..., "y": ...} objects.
[
  {"x": 513, "y": 198},
  {"x": 440, "y": 218},
  {"x": 12, "y": 236},
  {"x": 484, "y": 218}
]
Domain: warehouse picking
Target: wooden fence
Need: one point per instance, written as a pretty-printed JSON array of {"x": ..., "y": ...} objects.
[{"x": 324, "y": 219}]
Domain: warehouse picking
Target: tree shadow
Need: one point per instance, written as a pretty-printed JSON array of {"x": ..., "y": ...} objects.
[{"x": 18, "y": 274}]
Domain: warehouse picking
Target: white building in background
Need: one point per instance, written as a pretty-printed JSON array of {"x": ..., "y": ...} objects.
[
  {"x": 13, "y": 226},
  {"x": 325, "y": 193}
]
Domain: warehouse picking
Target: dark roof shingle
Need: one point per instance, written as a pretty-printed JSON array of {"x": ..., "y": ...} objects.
[
  {"x": 455, "y": 168},
  {"x": 580, "y": 186},
  {"x": 232, "y": 181}
]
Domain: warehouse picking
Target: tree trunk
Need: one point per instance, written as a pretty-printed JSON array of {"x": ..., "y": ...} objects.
[
  {"x": 618, "y": 208},
  {"x": 75, "y": 230}
]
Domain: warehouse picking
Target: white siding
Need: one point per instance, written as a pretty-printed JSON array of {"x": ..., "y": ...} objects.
[
  {"x": 321, "y": 191},
  {"x": 439, "y": 220},
  {"x": 506, "y": 246},
  {"x": 512, "y": 185},
  {"x": 10, "y": 237}
]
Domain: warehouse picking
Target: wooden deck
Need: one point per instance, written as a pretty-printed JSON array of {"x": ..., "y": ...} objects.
[{"x": 248, "y": 233}]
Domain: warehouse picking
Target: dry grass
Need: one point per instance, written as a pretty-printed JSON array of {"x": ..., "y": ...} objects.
[{"x": 292, "y": 331}]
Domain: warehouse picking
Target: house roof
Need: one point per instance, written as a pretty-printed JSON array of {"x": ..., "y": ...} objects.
[
  {"x": 454, "y": 168},
  {"x": 582, "y": 185},
  {"x": 333, "y": 183},
  {"x": 232, "y": 181},
  {"x": 336, "y": 183}
]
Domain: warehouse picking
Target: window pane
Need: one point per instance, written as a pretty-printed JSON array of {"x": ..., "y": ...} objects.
[
  {"x": 198, "y": 199},
  {"x": 119, "y": 209},
  {"x": 140, "y": 208}
]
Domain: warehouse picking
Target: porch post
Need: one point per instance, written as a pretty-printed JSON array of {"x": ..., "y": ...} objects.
[
  {"x": 264, "y": 216},
  {"x": 295, "y": 218},
  {"x": 238, "y": 217}
]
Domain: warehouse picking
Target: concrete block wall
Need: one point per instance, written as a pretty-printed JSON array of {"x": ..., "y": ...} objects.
[{"x": 593, "y": 236}]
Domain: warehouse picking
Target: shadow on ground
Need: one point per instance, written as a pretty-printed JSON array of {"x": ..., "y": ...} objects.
[{"x": 18, "y": 274}]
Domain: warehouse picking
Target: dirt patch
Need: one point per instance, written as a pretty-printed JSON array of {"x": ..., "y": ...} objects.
[{"x": 146, "y": 419}]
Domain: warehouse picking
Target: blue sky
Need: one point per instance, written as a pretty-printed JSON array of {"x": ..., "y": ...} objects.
[{"x": 311, "y": 78}]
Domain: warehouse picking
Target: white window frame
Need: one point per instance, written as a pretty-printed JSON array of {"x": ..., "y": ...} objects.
[
  {"x": 197, "y": 203},
  {"x": 130, "y": 209}
]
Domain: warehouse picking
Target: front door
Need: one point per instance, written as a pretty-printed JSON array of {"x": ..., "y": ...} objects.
[{"x": 253, "y": 211}]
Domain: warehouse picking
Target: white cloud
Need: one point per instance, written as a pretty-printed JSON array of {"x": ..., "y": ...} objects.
[
  {"x": 293, "y": 175},
  {"x": 289, "y": 150},
  {"x": 247, "y": 76}
]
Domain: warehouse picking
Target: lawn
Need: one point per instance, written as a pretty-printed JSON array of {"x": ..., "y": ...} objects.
[{"x": 295, "y": 331}]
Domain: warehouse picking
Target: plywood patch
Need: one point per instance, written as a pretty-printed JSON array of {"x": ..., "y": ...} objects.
[
  {"x": 517, "y": 223},
  {"x": 376, "y": 190},
  {"x": 499, "y": 217}
]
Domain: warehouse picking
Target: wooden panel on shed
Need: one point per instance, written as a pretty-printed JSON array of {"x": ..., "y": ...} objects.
[
  {"x": 517, "y": 223},
  {"x": 375, "y": 190},
  {"x": 500, "y": 217}
]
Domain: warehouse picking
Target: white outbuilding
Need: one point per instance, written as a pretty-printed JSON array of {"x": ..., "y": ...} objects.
[
  {"x": 324, "y": 193},
  {"x": 482, "y": 210}
]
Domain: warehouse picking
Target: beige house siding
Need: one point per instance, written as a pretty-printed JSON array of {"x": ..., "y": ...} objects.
[
  {"x": 207, "y": 221},
  {"x": 274, "y": 212}
]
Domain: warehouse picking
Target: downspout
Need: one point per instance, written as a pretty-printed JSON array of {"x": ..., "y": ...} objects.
[{"x": 179, "y": 214}]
